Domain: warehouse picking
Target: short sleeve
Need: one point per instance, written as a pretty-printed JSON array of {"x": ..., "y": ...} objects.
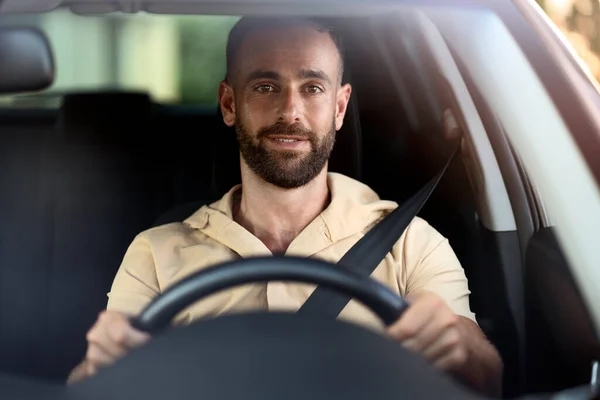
[
  {"x": 136, "y": 282},
  {"x": 432, "y": 265}
]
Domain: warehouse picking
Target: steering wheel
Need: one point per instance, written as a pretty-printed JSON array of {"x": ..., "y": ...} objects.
[
  {"x": 377, "y": 297},
  {"x": 269, "y": 355}
]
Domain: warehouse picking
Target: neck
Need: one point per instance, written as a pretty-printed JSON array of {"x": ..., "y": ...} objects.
[{"x": 275, "y": 215}]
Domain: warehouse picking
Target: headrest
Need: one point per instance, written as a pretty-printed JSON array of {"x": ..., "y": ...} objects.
[
  {"x": 346, "y": 157},
  {"x": 104, "y": 116},
  {"x": 26, "y": 60}
]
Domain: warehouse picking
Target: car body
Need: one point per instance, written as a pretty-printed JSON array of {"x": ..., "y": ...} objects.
[{"x": 521, "y": 206}]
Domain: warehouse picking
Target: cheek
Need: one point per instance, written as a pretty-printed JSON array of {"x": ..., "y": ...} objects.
[
  {"x": 257, "y": 113},
  {"x": 320, "y": 115}
]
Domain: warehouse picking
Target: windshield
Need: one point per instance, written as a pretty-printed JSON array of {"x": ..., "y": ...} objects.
[{"x": 90, "y": 168}]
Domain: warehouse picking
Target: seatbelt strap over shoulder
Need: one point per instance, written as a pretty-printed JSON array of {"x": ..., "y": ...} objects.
[{"x": 368, "y": 252}]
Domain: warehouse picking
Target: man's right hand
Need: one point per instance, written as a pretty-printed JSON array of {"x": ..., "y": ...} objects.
[{"x": 111, "y": 337}]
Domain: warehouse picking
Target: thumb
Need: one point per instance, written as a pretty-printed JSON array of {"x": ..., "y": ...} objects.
[
  {"x": 135, "y": 337},
  {"x": 131, "y": 337}
]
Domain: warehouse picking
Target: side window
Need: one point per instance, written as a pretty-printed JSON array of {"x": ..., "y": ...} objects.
[{"x": 176, "y": 59}]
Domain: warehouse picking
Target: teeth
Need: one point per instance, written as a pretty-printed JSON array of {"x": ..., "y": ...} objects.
[{"x": 286, "y": 140}]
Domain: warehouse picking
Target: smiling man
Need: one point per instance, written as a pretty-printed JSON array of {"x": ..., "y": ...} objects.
[{"x": 285, "y": 97}]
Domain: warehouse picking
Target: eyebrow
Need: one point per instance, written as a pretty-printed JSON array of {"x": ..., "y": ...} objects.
[
  {"x": 314, "y": 74},
  {"x": 304, "y": 74},
  {"x": 262, "y": 74}
]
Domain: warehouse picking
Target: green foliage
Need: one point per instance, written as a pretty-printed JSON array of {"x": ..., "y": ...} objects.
[{"x": 202, "y": 56}]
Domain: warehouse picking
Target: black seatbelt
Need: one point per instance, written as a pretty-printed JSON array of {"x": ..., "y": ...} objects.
[{"x": 368, "y": 252}]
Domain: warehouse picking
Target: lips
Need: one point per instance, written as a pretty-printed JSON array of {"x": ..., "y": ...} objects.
[
  {"x": 287, "y": 138},
  {"x": 288, "y": 142},
  {"x": 286, "y": 134}
]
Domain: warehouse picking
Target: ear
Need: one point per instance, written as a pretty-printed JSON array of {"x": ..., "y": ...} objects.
[
  {"x": 343, "y": 97},
  {"x": 227, "y": 103}
]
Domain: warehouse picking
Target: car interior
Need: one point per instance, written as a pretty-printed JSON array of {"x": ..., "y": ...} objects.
[{"x": 79, "y": 181}]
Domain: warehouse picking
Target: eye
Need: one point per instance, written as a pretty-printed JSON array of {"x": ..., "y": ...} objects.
[
  {"x": 313, "y": 89},
  {"x": 264, "y": 88}
]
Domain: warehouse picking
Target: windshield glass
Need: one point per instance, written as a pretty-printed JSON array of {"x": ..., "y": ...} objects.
[{"x": 390, "y": 95}]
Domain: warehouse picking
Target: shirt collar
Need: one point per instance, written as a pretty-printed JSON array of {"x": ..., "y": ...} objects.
[{"x": 354, "y": 207}]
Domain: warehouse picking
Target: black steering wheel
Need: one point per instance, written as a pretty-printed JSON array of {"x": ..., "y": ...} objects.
[
  {"x": 269, "y": 355},
  {"x": 161, "y": 311}
]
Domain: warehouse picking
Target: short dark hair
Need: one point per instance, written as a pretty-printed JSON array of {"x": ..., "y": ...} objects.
[{"x": 248, "y": 25}]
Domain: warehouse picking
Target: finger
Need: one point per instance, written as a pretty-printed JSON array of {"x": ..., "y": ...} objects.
[
  {"x": 436, "y": 332},
  {"x": 414, "y": 319},
  {"x": 446, "y": 343},
  {"x": 410, "y": 323},
  {"x": 432, "y": 332},
  {"x": 96, "y": 358},
  {"x": 120, "y": 331},
  {"x": 100, "y": 337},
  {"x": 112, "y": 349},
  {"x": 124, "y": 335},
  {"x": 452, "y": 360},
  {"x": 90, "y": 369},
  {"x": 137, "y": 338}
]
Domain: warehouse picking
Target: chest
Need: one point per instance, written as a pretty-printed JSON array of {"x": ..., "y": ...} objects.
[{"x": 271, "y": 296}]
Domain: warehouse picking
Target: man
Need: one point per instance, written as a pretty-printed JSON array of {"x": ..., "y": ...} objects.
[{"x": 284, "y": 95}]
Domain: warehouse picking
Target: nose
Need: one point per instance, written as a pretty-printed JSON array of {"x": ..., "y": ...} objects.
[{"x": 291, "y": 107}]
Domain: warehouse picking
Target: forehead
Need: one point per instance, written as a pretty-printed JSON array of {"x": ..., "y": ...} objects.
[{"x": 288, "y": 49}]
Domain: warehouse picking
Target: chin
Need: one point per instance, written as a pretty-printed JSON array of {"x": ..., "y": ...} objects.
[{"x": 284, "y": 158}]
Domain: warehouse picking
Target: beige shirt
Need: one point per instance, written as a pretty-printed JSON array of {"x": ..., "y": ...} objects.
[{"x": 421, "y": 260}]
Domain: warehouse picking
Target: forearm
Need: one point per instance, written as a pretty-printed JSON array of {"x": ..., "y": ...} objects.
[{"x": 483, "y": 367}]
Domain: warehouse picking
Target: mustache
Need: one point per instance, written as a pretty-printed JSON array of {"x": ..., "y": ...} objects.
[{"x": 282, "y": 129}]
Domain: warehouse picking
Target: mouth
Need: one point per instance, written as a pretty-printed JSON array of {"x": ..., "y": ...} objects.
[
  {"x": 288, "y": 139},
  {"x": 288, "y": 142}
]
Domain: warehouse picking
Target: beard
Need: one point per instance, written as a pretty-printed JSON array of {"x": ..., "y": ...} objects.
[{"x": 285, "y": 169}]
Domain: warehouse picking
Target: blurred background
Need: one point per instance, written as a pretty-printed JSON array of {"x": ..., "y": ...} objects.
[
  {"x": 162, "y": 54},
  {"x": 158, "y": 54},
  {"x": 579, "y": 20}
]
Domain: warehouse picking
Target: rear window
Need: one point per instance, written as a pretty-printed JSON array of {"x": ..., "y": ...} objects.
[{"x": 176, "y": 59}]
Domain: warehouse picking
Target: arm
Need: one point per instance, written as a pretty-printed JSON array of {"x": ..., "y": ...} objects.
[
  {"x": 439, "y": 323},
  {"x": 483, "y": 366},
  {"x": 112, "y": 336},
  {"x": 450, "y": 342}
]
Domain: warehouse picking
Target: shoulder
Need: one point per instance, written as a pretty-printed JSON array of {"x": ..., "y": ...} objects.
[
  {"x": 420, "y": 239},
  {"x": 168, "y": 232},
  {"x": 174, "y": 232},
  {"x": 165, "y": 239},
  {"x": 421, "y": 229}
]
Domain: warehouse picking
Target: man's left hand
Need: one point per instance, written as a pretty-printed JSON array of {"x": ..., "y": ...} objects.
[{"x": 432, "y": 329}]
